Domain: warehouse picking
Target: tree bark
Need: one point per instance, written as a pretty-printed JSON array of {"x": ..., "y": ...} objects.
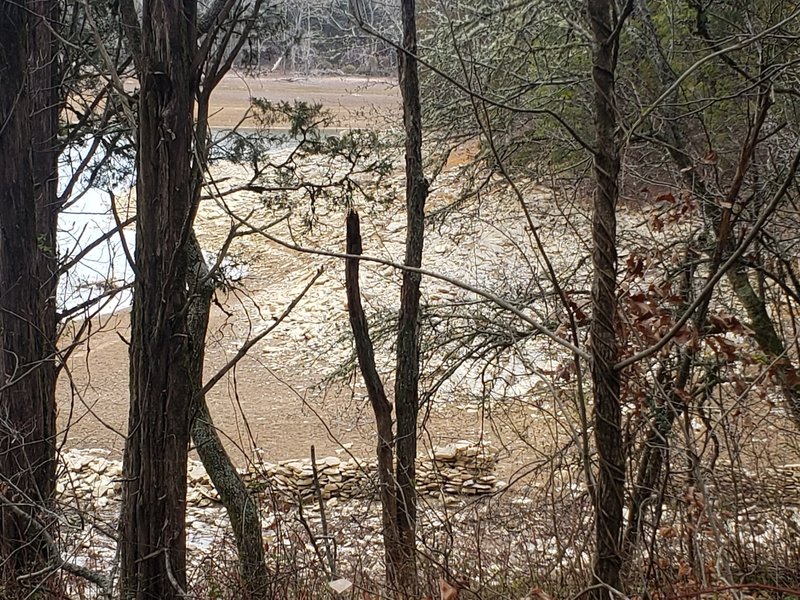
[
  {"x": 380, "y": 407},
  {"x": 18, "y": 296},
  {"x": 604, "y": 350},
  {"x": 406, "y": 389},
  {"x": 46, "y": 148},
  {"x": 152, "y": 536},
  {"x": 28, "y": 211},
  {"x": 241, "y": 507}
]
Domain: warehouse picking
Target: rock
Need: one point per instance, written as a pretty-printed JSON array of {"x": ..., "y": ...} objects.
[
  {"x": 340, "y": 586},
  {"x": 197, "y": 472},
  {"x": 458, "y": 468},
  {"x": 445, "y": 453},
  {"x": 98, "y": 465}
]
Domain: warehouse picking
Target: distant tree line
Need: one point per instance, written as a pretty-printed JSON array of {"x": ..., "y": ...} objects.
[{"x": 320, "y": 36}]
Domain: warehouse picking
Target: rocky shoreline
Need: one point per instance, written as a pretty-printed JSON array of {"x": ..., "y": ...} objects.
[
  {"x": 455, "y": 481},
  {"x": 460, "y": 495},
  {"x": 462, "y": 468}
]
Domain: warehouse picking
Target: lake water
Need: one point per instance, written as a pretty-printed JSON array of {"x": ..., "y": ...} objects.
[{"x": 86, "y": 218}]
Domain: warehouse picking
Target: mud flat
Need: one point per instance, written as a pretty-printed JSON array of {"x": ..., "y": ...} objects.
[{"x": 352, "y": 101}]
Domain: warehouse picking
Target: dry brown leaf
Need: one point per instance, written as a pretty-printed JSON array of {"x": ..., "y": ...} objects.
[{"x": 447, "y": 591}]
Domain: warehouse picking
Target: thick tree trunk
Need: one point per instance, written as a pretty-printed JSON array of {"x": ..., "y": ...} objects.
[
  {"x": 46, "y": 148},
  {"x": 241, "y": 507},
  {"x": 406, "y": 389},
  {"x": 19, "y": 422},
  {"x": 28, "y": 113},
  {"x": 605, "y": 377},
  {"x": 152, "y": 536}
]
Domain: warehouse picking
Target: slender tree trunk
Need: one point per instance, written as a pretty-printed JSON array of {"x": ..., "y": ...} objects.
[
  {"x": 380, "y": 407},
  {"x": 398, "y": 487},
  {"x": 153, "y": 537},
  {"x": 28, "y": 114},
  {"x": 605, "y": 377},
  {"x": 785, "y": 373},
  {"x": 406, "y": 389},
  {"x": 241, "y": 507}
]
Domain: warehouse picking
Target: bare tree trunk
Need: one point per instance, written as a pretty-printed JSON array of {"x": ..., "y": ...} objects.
[
  {"x": 28, "y": 213},
  {"x": 241, "y": 507},
  {"x": 380, "y": 406},
  {"x": 406, "y": 389},
  {"x": 153, "y": 537},
  {"x": 398, "y": 488},
  {"x": 45, "y": 146},
  {"x": 605, "y": 377}
]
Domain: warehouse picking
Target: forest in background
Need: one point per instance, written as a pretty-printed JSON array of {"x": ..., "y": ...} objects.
[{"x": 321, "y": 37}]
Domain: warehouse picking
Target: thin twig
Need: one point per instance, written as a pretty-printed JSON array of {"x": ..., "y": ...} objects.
[
  {"x": 253, "y": 341},
  {"x": 323, "y": 519}
]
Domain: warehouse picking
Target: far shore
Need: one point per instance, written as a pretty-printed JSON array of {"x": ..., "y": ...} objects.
[{"x": 354, "y": 102}]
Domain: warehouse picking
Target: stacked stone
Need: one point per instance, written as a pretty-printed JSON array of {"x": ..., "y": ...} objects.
[
  {"x": 774, "y": 483},
  {"x": 337, "y": 478},
  {"x": 200, "y": 491},
  {"x": 788, "y": 479},
  {"x": 89, "y": 475},
  {"x": 462, "y": 468}
]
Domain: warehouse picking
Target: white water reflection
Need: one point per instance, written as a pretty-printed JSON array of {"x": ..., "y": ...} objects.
[
  {"x": 87, "y": 217},
  {"x": 99, "y": 282}
]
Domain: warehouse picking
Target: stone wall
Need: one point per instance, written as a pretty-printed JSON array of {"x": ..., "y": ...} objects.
[
  {"x": 458, "y": 469},
  {"x": 89, "y": 475},
  {"x": 462, "y": 468}
]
